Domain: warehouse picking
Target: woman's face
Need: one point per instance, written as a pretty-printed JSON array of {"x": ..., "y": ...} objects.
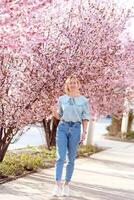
[{"x": 73, "y": 85}]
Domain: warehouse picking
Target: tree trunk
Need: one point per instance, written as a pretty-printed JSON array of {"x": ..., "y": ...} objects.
[
  {"x": 124, "y": 125},
  {"x": 50, "y": 126},
  {"x": 115, "y": 128},
  {"x": 46, "y": 124},
  {"x": 3, "y": 150},
  {"x": 55, "y": 123},
  {"x": 130, "y": 121},
  {"x": 90, "y": 133},
  {"x": 5, "y": 139}
]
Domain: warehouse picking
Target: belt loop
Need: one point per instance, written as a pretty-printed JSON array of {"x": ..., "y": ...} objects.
[{"x": 69, "y": 122}]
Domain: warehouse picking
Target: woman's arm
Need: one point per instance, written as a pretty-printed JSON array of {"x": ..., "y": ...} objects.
[
  {"x": 57, "y": 110},
  {"x": 84, "y": 132},
  {"x": 85, "y": 120},
  {"x": 55, "y": 113},
  {"x": 84, "y": 125}
]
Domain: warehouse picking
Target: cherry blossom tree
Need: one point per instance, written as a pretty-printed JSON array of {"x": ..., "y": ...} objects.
[{"x": 42, "y": 42}]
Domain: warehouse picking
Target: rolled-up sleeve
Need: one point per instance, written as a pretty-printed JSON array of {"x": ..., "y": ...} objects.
[{"x": 86, "y": 111}]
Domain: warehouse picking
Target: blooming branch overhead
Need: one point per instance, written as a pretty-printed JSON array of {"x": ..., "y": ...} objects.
[{"x": 42, "y": 42}]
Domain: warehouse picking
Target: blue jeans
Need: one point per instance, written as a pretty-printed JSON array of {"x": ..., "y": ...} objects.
[{"x": 67, "y": 140}]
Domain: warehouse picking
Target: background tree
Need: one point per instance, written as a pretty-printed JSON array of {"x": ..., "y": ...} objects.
[{"x": 42, "y": 43}]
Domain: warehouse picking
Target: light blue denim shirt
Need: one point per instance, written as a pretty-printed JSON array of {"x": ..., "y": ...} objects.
[{"x": 73, "y": 108}]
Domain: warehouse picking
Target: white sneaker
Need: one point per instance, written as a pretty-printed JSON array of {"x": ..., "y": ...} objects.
[
  {"x": 56, "y": 191},
  {"x": 66, "y": 191}
]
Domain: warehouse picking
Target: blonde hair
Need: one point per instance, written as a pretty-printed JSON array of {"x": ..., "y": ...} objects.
[{"x": 67, "y": 91}]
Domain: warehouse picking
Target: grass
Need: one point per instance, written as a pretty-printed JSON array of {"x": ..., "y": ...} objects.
[
  {"x": 130, "y": 135},
  {"x": 24, "y": 161}
]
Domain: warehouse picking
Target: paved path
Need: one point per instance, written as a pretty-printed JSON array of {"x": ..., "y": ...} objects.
[{"x": 107, "y": 175}]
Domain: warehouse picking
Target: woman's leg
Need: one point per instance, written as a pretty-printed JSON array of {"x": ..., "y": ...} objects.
[
  {"x": 61, "y": 149},
  {"x": 73, "y": 141}
]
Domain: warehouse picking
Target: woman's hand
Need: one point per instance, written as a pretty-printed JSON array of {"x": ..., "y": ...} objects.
[
  {"x": 54, "y": 111},
  {"x": 83, "y": 137}
]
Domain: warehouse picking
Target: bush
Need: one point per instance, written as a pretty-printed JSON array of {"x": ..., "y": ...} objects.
[
  {"x": 130, "y": 135},
  {"x": 86, "y": 150},
  {"x": 29, "y": 160}
]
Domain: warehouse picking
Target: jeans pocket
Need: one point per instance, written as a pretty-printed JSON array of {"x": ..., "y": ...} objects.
[
  {"x": 61, "y": 127},
  {"x": 77, "y": 125}
]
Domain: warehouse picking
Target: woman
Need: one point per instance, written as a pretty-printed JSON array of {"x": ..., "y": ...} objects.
[{"x": 73, "y": 111}]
